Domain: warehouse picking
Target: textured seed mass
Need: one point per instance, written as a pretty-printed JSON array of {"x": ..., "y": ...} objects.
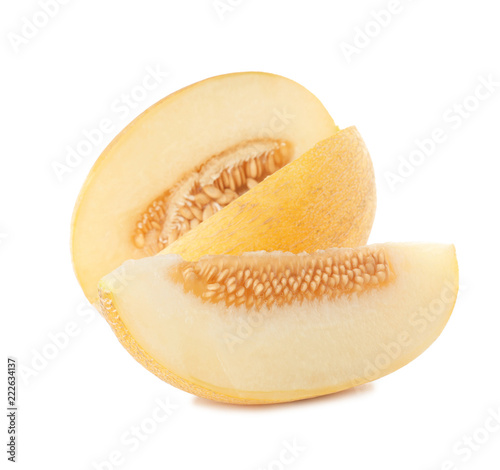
[
  {"x": 199, "y": 195},
  {"x": 267, "y": 279}
]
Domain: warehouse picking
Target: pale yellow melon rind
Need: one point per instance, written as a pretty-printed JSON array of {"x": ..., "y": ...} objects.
[
  {"x": 171, "y": 138},
  {"x": 327, "y": 197}
]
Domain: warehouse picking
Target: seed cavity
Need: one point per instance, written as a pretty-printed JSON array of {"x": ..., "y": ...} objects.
[
  {"x": 272, "y": 278},
  {"x": 206, "y": 190}
]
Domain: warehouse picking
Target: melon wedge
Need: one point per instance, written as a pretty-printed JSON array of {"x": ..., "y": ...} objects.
[
  {"x": 324, "y": 198},
  {"x": 190, "y": 155},
  {"x": 277, "y": 327}
]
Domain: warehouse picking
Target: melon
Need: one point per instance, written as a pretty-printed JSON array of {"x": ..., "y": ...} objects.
[
  {"x": 324, "y": 198},
  {"x": 193, "y": 154},
  {"x": 270, "y": 327}
]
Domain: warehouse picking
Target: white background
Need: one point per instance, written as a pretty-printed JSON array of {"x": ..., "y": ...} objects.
[{"x": 81, "y": 405}]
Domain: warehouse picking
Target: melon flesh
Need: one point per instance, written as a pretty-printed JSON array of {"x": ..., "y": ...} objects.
[
  {"x": 292, "y": 349},
  {"x": 177, "y": 136}
]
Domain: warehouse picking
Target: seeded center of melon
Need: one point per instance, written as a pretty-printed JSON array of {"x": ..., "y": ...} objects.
[
  {"x": 282, "y": 278},
  {"x": 208, "y": 189}
]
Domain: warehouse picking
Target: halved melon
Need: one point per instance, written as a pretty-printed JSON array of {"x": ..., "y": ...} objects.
[
  {"x": 190, "y": 155},
  {"x": 275, "y": 327}
]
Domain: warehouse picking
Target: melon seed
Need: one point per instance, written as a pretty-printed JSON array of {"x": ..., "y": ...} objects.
[
  {"x": 206, "y": 190},
  {"x": 284, "y": 278}
]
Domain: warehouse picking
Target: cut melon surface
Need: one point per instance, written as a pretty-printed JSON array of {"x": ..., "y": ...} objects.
[
  {"x": 186, "y": 158},
  {"x": 276, "y": 327}
]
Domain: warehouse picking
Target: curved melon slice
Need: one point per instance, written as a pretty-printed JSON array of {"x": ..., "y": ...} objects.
[
  {"x": 324, "y": 198},
  {"x": 185, "y": 158},
  {"x": 276, "y": 327}
]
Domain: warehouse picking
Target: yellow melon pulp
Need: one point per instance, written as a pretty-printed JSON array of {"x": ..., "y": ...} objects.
[
  {"x": 140, "y": 194},
  {"x": 276, "y": 327}
]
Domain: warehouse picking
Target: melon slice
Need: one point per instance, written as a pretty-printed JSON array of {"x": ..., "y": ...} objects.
[
  {"x": 193, "y": 153},
  {"x": 324, "y": 198},
  {"x": 276, "y": 327}
]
